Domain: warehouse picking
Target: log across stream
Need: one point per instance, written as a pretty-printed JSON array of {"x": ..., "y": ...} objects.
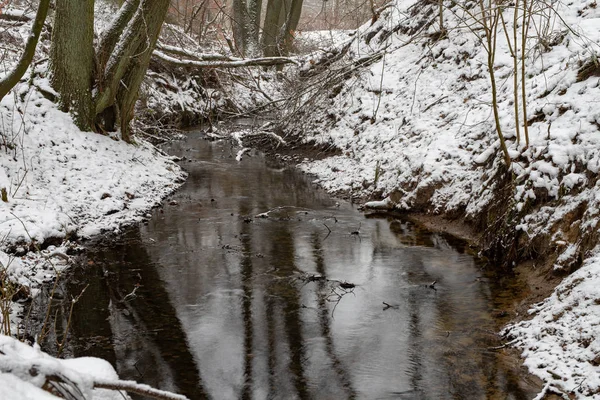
[{"x": 251, "y": 283}]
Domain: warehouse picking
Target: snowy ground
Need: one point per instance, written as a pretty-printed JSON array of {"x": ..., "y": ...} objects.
[
  {"x": 62, "y": 183},
  {"x": 417, "y": 126},
  {"x": 561, "y": 343},
  {"x": 23, "y": 384}
]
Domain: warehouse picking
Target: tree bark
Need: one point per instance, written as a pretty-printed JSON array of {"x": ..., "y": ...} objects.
[
  {"x": 72, "y": 58},
  {"x": 9, "y": 81},
  {"x": 291, "y": 23},
  {"x": 152, "y": 15},
  {"x": 271, "y": 28},
  {"x": 111, "y": 35},
  {"x": 254, "y": 14},
  {"x": 239, "y": 26},
  {"x": 135, "y": 46}
]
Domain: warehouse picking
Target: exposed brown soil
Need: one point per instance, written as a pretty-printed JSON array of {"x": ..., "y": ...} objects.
[
  {"x": 535, "y": 275},
  {"x": 439, "y": 223}
]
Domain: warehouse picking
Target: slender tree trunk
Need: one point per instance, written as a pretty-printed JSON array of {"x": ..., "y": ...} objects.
[
  {"x": 9, "y": 81},
  {"x": 134, "y": 47},
  {"x": 527, "y": 13},
  {"x": 490, "y": 18},
  {"x": 153, "y": 13},
  {"x": 111, "y": 35},
  {"x": 254, "y": 14},
  {"x": 291, "y": 24},
  {"x": 72, "y": 58},
  {"x": 239, "y": 26},
  {"x": 107, "y": 118},
  {"x": 271, "y": 28}
]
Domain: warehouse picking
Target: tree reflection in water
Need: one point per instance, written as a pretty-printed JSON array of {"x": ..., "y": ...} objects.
[{"x": 221, "y": 313}]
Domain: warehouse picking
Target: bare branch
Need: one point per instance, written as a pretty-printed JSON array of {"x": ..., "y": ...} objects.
[{"x": 138, "y": 388}]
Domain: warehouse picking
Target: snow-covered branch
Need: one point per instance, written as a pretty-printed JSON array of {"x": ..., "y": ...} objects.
[
  {"x": 26, "y": 370},
  {"x": 138, "y": 388},
  {"x": 16, "y": 15},
  {"x": 224, "y": 62}
]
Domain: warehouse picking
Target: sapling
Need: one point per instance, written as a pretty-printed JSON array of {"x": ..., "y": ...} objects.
[{"x": 490, "y": 16}]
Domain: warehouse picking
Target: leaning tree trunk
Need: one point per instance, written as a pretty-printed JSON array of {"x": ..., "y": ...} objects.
[
  {"x": 107, "y": 118},
  {"x": 152, "y": 14},
  {"x": 72, "y": 58},
  {"x": 10, "y": 80},
  {"x": 110, "y": 37},
  {"x": 127, "y": 65}
]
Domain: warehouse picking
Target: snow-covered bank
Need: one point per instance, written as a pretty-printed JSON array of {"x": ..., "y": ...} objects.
[
  {"x": 417, "y": 127},
  {"x": 62, "y": 183},
  {"x": 30, "y": 368},
  {"x": 27, "y": 373},
  {"x": 561, "y": 343}
]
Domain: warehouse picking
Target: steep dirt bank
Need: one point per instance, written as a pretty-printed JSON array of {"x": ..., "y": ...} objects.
[{"x": 537, "y": 279}]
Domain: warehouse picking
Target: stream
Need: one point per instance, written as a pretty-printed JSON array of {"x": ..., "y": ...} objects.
[{"x": 250, "y": 283}]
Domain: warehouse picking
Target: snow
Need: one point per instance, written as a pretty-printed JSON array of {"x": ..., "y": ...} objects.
[
  {"x": 24, "y": 369},
  {"x": 415, "y": 126},
  {"x": 560, "y": 343},
  {"x": 385, "y": 204}
]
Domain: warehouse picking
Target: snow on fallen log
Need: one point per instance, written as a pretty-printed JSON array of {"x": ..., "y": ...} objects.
[
  {"x": 165, "y": 48},
  {"x": 227, "y": 62},
  {"x": 240, "y": 153},
  {"x": 385, "y": 204},
  {"x": 27, "y": 372},
  {"x": 16, "y": 15}
]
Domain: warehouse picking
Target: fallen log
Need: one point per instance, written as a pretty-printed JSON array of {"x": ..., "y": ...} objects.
[
  {"x": 15, "y": 15},
  {"x": 178, "y": 51},
  {"x": 226, "y": 62}
]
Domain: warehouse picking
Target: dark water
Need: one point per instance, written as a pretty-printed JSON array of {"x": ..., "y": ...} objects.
[{"x": 228, "y": 305}]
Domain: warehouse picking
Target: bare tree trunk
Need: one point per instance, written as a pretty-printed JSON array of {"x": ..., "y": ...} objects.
[
  {"x": 254, "y": 14},
  {"x": 153, "y": 13},
  {"x": 135, "y": 46},
  {"x": 107, "y": 118},
  {"x": 9, "y": 81},
  {"x": 72, "y": 58},
  {"x": 271, "y": 28},
  {"x": 490, "y": 19},
  {"x": 111, "y": 35},
  {"x": 239, "y": 26},
  {"x": 291, "y": 24}
]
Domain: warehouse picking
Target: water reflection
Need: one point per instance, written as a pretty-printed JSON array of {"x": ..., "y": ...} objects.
[{"x": 230, "y": 306}]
